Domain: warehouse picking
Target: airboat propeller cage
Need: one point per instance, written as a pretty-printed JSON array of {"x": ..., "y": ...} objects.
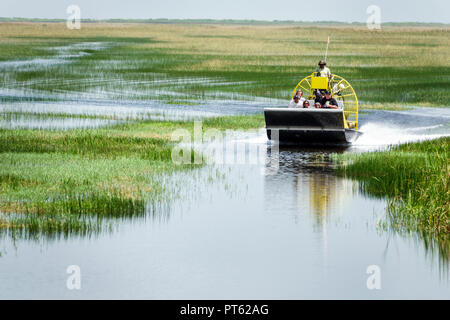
[{"x": 311, "y": 125}]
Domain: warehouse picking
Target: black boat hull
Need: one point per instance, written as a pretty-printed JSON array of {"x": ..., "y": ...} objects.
[{"x": 308, "y": 126}]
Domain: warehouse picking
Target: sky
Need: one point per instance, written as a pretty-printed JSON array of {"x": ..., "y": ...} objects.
[{"x": 299, "y": 10}]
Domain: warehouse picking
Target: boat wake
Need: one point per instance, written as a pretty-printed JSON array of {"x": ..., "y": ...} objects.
[{"x": 378, "y": 135}]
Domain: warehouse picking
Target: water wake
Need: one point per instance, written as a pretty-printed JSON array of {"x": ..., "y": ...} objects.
[{"x": 378, "y": 135}]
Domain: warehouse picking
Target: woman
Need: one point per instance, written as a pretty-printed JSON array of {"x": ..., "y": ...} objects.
[{"x": 306, "y": 104}]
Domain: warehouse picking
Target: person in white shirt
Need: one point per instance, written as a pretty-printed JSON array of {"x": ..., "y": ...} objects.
[{"x": 297, "y": 101}]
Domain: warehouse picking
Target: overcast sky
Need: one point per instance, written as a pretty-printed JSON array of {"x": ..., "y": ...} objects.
[{"x": 301, "y": 10}]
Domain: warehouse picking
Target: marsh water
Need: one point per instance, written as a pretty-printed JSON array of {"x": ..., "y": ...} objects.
[{"x": 246, "y": 230}]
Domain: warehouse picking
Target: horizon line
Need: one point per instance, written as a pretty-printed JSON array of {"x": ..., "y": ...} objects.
[{"x": 210, "y": 20}]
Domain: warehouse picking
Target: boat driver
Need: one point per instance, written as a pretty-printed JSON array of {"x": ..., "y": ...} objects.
[{"x": 322, "y": 70}]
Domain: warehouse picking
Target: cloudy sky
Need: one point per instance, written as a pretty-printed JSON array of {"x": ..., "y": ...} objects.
[{"x": 301, "y": 10}]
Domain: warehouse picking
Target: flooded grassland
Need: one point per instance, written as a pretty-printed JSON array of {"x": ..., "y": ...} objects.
[{"x": 88, "y": 177}]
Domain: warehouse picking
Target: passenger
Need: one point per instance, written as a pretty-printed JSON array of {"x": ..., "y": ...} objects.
[
  {"x": 295, "y": 103},
  {"x": 300, "y": 94},
  {"x": 306, "y": 104},
  {"x": 320, "y": 94},
  {"x": 299, "y": 103},
  {"x": 328, "y": 102},
  {"x": 317, "y": 105},
  {"x": 323, "y": 71}
]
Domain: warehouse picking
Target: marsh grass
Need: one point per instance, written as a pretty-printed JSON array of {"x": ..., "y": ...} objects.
[
  {"x": 415, "y": 177},
  {"x": 189, "y": 62},
  {"x": 164, "y": 129},
  {"x": 71, "y": 182},
  {"x": 79, "y": 182},
  {"x": 62, "y": 189},
  {"x": 89, "y": 143}
]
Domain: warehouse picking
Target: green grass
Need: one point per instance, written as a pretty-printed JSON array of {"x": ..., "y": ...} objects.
[
  {"x": 88, "y": 143},
  {"x": 78, "y": 182},
  {"x": 56, "y": 190},
  {"x": 416, "y": 179},
  {"x": 151, "y": 128},
  {"x": 191, "y": 63}
]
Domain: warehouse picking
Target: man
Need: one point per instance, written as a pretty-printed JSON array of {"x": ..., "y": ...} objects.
[
  {"x": 319, "y": 95},
  {"x": 323, "y": 71},
  {"x": 296, "y": 102},
  {"x": 328, "y": 102}
]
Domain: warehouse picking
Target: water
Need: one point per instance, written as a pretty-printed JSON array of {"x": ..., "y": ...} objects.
[
  {"x": 249, "y": 231},
  {"x": 382, "y": 128},
  {"x": 99, "y": 86},
  {"x": 61, "y": 55},
  {"x": 122, "y": 110},
  {"x": 26, "y": 121},
  {"x": 89, "y": 113}
]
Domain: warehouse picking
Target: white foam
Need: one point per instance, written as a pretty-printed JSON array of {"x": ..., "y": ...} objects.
[{"x": 379, "y": 135}]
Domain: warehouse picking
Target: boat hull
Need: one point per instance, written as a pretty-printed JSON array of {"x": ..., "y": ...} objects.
[{"x": 308, "y": 126}]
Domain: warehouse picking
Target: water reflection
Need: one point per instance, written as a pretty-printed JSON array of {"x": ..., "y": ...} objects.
[
  {"x": 103, "y": 217},
  {"x": 308, "y": 176},
  {"x": 321, "y": 192},
  {"x": 316, "y": 187},
  {"x": 317, "y": 192}
]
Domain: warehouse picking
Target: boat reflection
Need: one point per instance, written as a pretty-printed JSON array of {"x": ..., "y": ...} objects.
[
  {"x": 311, "y": 177},
  {"x": 323, "y": 196},
  {"x": 307, "y": 176}
]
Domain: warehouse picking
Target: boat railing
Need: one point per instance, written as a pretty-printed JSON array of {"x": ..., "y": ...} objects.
[{"x": 340, "y": 89}]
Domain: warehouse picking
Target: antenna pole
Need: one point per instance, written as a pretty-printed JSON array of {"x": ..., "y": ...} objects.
[{"x": 326, "y": 51}]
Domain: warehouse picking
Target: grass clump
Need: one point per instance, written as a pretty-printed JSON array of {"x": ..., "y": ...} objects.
[
  {"x": 89, "y": 143},
  {"x": 78, "y": 182},
  {"x": 416, "y": 179},
  {"x": 47, "y": 192},
  {"x": 164, "y": 129},
  {"x": 71, "y": 181}
]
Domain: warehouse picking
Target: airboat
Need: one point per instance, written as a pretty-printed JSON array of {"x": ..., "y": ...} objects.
[{"x": 316, "y": 126}]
